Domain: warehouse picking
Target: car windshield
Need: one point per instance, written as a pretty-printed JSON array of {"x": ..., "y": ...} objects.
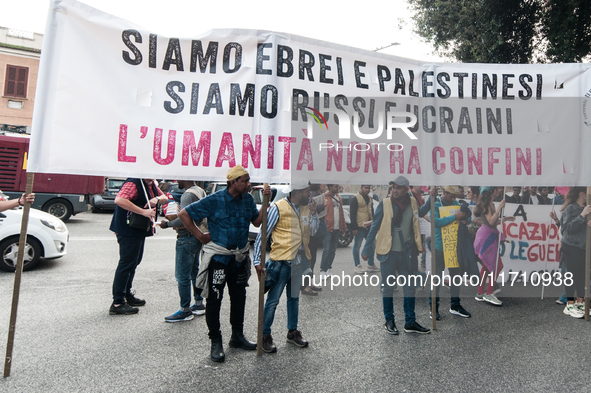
[
  {"x": 115, "y": 183},
  {"x": 276, "y": 195},
  {"x": 218, "y": 187}
]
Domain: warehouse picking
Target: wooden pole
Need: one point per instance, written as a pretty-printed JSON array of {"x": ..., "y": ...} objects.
[
  {"x": 500, "y": 217},
  {"x": 547, "y": 245},
  {"x": 433, "y": 291},
  {"x": 17, "y": 277},
  {"x": 587, "y": 258},
  {"x": 262, "y": 278}
]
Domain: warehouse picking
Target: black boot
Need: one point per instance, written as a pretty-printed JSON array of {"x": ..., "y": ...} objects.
[
  {"x": 217, "y": 351},
  {"x": 239, "y": 341}
]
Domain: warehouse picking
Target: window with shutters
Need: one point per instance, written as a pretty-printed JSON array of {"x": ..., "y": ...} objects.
[{"x": 16, "y": 81}]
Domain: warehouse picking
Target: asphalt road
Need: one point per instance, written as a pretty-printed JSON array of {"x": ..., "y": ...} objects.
[{"x": 66, "y": 341}]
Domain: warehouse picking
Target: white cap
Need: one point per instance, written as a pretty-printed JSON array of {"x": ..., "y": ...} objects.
[{"x": 296, "y": 185}]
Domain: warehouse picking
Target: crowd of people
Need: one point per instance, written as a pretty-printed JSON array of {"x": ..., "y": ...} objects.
[{"x": 212, "y": 248}]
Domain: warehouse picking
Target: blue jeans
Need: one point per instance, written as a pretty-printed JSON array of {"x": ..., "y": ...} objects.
[
  {"x": 329, "y": 247},
  {"x": 361, "y": 234},
  {"x": 289, "y": 277},
  {"x": 396, "y": 263},
  {"x": 187, "y": 267},
  {"x": 454, "y": 291},
  {"x": 131, "y": 250}
]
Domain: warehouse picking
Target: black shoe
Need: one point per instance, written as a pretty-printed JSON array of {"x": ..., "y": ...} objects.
[
  {"x": 123, "y": 309},
  {"x": 309, "y": 292},
  {"x": 217, "y": 351},
  {"x": 239, "y": 341},
  {"x": 296, "y": 338},
  {"x": 315, "y": 288},
  {"x": 268, "y": 344},
  {"x": 459, "y": 310},
  {"x": 391, "y": 327},
  {"x": 134, "y": 301},
  {"x": 416, "y": 328},
  {"x": 437, "y": 316}
]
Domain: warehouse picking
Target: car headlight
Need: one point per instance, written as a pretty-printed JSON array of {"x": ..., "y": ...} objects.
[{"x": 54, "y": 224}]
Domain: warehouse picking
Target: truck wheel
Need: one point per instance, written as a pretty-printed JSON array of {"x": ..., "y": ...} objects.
[
  {"x": 60, "y": 208},
  {"x": 9, "y": 252}
]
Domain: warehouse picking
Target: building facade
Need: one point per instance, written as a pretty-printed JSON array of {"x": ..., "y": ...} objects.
[{"x": 20, "y": 52}]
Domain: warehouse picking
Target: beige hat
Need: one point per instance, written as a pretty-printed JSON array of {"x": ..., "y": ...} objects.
[
  {"x": 236, "y": 172},
  {"x": 455, "y": 190}
]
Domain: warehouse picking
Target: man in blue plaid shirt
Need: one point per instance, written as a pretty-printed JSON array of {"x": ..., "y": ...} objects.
[{"x": 225, "y": 261}]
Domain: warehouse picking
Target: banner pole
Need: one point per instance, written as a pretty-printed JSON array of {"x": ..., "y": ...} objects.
[
  {"x": 262, "y": 278},
  {"x": 547, "y": 245},
  {"x": 433, "y": 292},
  {"x": 587, "y": 258},
  {"x": 17, "y": 276},
  {"x": 495, "y": 275}
]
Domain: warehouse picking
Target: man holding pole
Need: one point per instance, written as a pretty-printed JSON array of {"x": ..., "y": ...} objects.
[
  {"x": 226, "y": 254},
  {"x": 396, "y": 232},
  {"x": 291, "y": 222}
]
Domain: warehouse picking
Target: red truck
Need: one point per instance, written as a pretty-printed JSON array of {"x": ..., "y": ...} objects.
[{"x": 58, "y": 194}]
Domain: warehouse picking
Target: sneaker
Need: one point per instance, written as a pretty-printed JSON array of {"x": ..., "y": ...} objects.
[
  {"x": 492, "y": 299},
  {"x": 268, "y": 344},
  {"x": 123, "y": 309},
  {"x": 581, "y": 306},
  {"x": 416, "y": 328},
  {"x": 373, "y": 268},
  {"x": 460, "y": 311},
  {"x": 296, "y": 338},
  {"x": 437, "y": 316},
  {"x": 179, "y": 316},
  {"x": 558, "y": 301},
  {"x": 573, "y": 311},
  {"x": 134, "y": 301},
  {"x": 329, "y": 272},
  {"x": 479, "y": 297},
  {"x": 391, "y": 327},
  {"x": 359, "y": 269},
  {"x": 198, "y": 310}
]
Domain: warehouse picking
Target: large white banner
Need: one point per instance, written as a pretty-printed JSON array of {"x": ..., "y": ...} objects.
[{"x": 116, "y": 99}]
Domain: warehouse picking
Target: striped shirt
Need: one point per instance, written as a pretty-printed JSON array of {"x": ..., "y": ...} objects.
[{"x": 272, "y": 218}]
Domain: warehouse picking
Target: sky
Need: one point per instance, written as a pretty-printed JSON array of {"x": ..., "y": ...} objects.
[{"x": 370, "y": 24}]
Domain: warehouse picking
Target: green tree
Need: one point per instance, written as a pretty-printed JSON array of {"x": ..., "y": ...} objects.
[
  {"x": 506, "y": 31},
  {"x": 566, "y": 24}
]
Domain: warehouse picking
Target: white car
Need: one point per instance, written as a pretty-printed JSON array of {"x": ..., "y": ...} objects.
[{"x": 47, "y": 237}]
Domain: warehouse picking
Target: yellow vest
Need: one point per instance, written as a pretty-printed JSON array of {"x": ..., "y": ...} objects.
[
  {"x": 384, "y": 237},
  {"x": 290, "y": 232},
  {"x": 363, "y": 210}
]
